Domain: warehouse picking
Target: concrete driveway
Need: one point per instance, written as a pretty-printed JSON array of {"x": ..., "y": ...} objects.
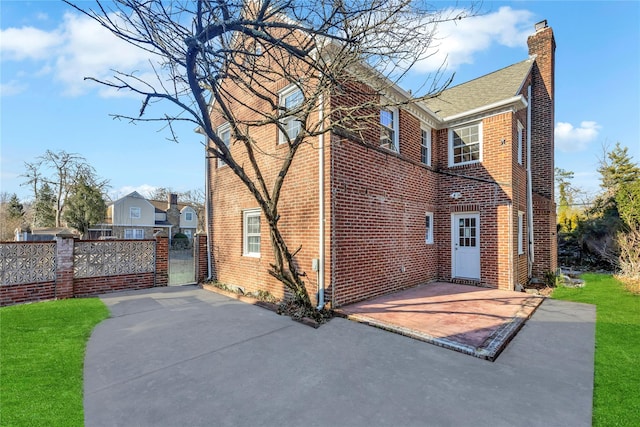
[{"x": 188, "y": 357}]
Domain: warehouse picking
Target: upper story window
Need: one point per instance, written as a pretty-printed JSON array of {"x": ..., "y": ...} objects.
[
  {"x": 134, "y": 212},
  {"x": 520, "y": 142},
  {"x": 188, "y": 216},
  {"x": 465, "y": 144},
  {"x": 290, "y": 98},
  {"x": 425, "y": 146},
  {"x": 389, "y": 128},
  {"x": 224, "y": 132}
]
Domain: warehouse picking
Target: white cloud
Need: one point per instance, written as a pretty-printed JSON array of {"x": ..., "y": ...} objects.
[
  {"x": 14, "y": 87},
  {"x": 78, "y": 48},
  {"x": 456, "y": 42},
  {"x": 572, "y": 139},
  {"x": 28, "y": 43}
]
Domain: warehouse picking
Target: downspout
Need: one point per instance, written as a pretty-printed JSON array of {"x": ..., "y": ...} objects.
[
  {"x": 510, "y": 247},
  {"x": 207, "y": 200},
  {"x": 207, "y": 207},
  {"x": 321, "y": 215},
  {"x": 530, "y": 254}
]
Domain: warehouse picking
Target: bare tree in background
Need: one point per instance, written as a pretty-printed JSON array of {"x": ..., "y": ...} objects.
[
  {"x": 224, "y": 58},
  {"x": 66, "y": 170}
]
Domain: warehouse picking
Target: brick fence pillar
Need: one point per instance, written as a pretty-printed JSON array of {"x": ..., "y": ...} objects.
[
  {"x": 162, "y": 260},
  {"x": 64, "y": 265},
  {"x": 200, "y": 257}
]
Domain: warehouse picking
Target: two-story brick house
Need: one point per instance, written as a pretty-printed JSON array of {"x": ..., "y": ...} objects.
[{"x": 457, "y": 188}]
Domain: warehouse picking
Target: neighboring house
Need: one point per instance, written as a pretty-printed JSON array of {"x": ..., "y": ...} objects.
[
  {"x": 134, "y": 217},
  {"x": 42, "y": 234},
  {"x": 458, "y": 188}
]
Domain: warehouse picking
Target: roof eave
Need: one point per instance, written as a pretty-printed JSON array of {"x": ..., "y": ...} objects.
[{"x": 518, "y": 102}]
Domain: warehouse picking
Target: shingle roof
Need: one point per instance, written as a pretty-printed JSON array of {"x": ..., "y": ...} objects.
[{"x": 497, "y": 86}]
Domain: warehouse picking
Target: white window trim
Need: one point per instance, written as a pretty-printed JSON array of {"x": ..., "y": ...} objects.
[
  {"x": 428, "y": 146},
  {"x": 480, "y": 142},
  {"x": 292, "y": 88},
  {"x": 245, "y": 236},
  {"x": 428, "y": 230},
  {"x": 221, "y": 129},
  {"x": 188, "y": 216},
  {"x": 395, "y": 114},
  {"x": 520, "y": 142},
  {"x": 520, "y": 233},
  {"x": 137, "y": 215}
]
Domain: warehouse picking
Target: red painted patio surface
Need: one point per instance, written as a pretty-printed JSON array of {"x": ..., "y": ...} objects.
[{"x": 470, "y": 319}]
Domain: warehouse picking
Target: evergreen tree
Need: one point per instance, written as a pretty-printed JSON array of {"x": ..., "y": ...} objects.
[
  {"x": 85, "y": 207},
  {"x": 617, "y": 169},
  {"x": 45, "y": 211},
  {"x": 15, "y": 210}
]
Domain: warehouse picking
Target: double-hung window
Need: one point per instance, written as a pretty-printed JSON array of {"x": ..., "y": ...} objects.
[
  {"x": 134, "y": 212},
  {"x": 134, "y": 233},
  {"x": 465, "y": 144},
  {"x": 188, "y": 216},
  {"x": 520, "y": 232},
  {"x": 251, "y": 233},
  {"x": 425, "y": 146},
  {"x": 389, "y": 128},
  {"x": 290, "y": 99},
  {"x": 224, "y": 133},
  {"x": 428, "y": 237}
]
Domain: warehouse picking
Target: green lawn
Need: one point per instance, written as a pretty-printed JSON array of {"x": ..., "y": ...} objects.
[
  {"x": 42, "y": 349},
  {"x": 616, "y": 397}
]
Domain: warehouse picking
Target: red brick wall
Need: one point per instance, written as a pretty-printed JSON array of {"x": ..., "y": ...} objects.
[
  {"x": 91, "y": 286},
  {"x": 31, "y": 292},
  {"x": 378, "y": 225},
  {"x": 66, "y": 286},
  {"x": 162, "y": 261}
]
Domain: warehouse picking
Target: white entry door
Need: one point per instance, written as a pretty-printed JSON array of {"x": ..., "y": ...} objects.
[{"x": 465, "y": 235}]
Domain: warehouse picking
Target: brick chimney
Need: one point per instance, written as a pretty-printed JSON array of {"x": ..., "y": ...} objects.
[
  {"x": 173, "y": 213},
  {"x": 542, "y": 45}
]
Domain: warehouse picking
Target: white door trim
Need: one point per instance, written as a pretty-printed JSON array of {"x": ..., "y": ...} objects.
[{"x": 471, "y": 265}]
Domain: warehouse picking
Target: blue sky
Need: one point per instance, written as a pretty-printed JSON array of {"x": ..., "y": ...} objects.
[{"x": 46, "y": 49}]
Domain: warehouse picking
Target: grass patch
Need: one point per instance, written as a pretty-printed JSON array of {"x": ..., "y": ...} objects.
[
  {"x": 617, "y": 358},
  {"x": 42, "y": 348}
]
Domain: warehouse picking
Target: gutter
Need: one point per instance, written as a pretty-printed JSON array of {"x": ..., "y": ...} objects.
[{"x": 505, "y": 102}]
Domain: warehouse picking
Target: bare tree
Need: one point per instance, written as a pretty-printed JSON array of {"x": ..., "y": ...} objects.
[
  {"x": 227, "y": 59},
  {"x": 67, "y": 169}
]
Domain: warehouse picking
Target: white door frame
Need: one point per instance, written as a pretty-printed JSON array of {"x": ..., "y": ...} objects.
[{"x": 471, "y": 265}]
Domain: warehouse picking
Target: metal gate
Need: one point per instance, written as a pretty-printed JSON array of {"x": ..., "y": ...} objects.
[{"x": 182, "y": 269}]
